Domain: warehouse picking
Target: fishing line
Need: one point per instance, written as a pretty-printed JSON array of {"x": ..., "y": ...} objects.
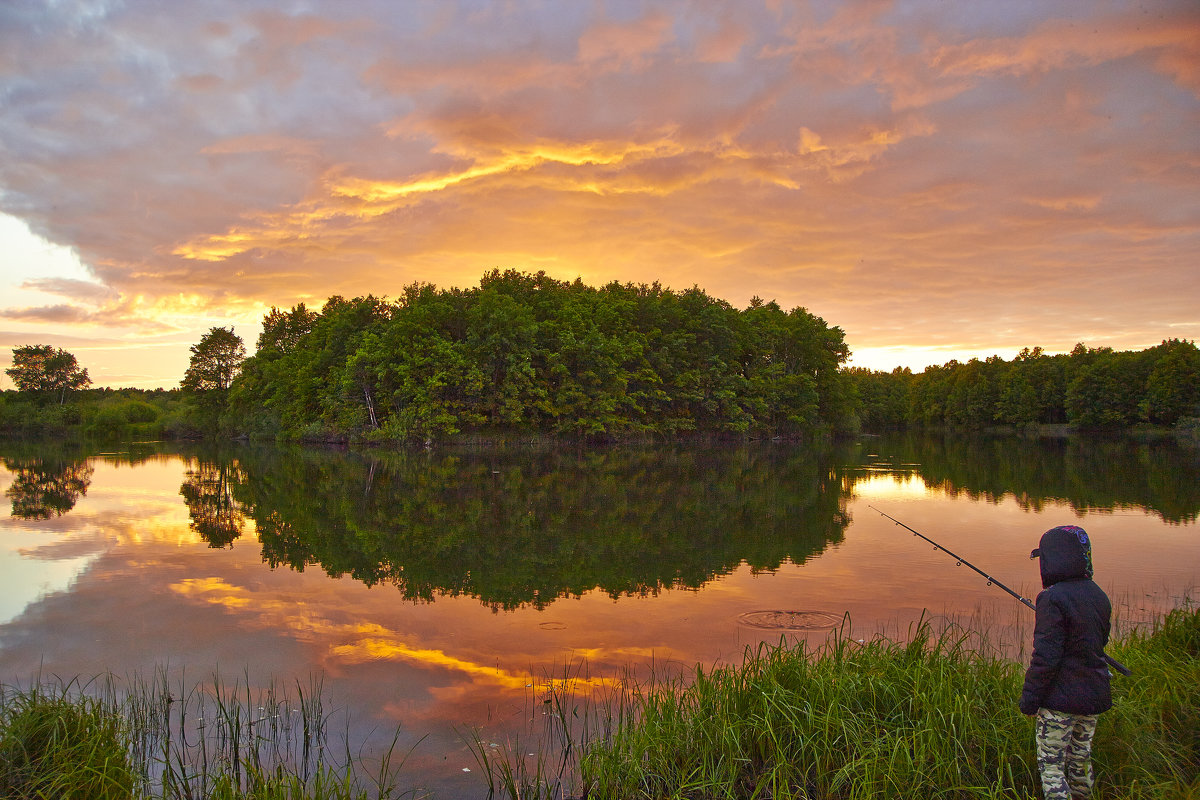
[{"x": 962, "y": 562}]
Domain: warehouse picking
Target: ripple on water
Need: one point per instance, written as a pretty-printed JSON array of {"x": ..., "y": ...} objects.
[{"x": 791, "y": 620}]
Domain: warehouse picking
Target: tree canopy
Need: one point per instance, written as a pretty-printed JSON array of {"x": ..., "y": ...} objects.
[
  {"x": 1095, "y": 388},
  {"x": 215, "y": 362},
  {"x": 527, "y": 352},
  {"x": 42, "y": 368}
]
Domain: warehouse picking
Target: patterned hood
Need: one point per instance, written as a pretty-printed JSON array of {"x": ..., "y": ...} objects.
[{"x": 1065, "y": 553}]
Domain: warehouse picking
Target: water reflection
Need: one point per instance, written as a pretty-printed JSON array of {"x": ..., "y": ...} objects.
[
  {"x": 42, "y": 488},
  {"x": 1090, "y": 473},
  {"x": 697, "y": 552},
  {"x": 207, "y": 491},
  {"x": 524, "y": 528}
]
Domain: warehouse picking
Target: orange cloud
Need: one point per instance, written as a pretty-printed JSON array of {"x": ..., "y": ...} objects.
[
  {"x": 599, "y": 168},
  {"x": 1174, "y": 46}
]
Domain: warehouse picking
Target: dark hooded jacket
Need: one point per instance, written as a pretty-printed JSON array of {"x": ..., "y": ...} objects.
[{"x": 1067, "y": 671}]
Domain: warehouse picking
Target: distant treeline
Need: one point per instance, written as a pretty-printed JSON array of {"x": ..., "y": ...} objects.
[
  {"x": 101, "y": 413},
  {"x": 526, "y": 352},
  {"x": 1086, "y": 388}
]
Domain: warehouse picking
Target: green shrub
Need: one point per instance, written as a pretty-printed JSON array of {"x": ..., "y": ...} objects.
[{"x": 137, "y": 411}]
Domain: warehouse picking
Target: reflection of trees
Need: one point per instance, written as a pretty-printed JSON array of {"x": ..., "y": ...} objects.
[
  {"x": 525, "y": 528},
  {"x": 1089, "y": 472},
  {"x": 44, "y": 488},
  {"x": 208, "y": 493}
]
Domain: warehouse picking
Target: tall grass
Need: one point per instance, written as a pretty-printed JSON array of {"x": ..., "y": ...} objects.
[
  {"x": 56, "y": 744},
  {"x": 927, "y": 718},
  {"x": 143, "y": 738},
  {"x": 1149, "y": 744},
  {"x": 934, "y": 717},
  {"x": 563, "y": 719}
]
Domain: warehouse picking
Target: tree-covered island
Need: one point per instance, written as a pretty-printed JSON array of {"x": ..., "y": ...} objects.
[{"x": 526, "y": 353}]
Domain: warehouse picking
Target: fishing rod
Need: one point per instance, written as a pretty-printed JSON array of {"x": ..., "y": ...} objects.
[{"x": 1112, "y": 662}]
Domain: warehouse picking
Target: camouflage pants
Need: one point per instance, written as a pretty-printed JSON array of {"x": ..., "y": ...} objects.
[{"x": 1064, "y": 753}]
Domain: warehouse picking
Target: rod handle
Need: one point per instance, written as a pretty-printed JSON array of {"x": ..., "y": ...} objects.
[{"x": 1117, "y": 665}]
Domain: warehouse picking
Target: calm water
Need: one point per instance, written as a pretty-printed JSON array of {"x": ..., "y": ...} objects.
[{"x": 440, "y": 591}]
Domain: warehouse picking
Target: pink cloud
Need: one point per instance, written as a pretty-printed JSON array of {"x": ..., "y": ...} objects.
[
  {"x": 625, "y": 45},
  {"x": 1172, "y": 44},
  {"x": 57, "y": 313},
  {"x": 724, "y": 44}
]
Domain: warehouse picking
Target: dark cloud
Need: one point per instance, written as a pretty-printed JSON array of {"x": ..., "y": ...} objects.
[
  {"x": 22, "y": 338},
  {"x": 70, "y": 287},
  {"x": 124, "y": 314},
  {"x": 61, "y": 313}
]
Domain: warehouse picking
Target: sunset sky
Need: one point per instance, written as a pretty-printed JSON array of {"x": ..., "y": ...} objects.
[{"x": 939, "y": 179}]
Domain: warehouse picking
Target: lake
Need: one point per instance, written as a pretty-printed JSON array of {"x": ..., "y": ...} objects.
[{"x": 442, "y": 591}]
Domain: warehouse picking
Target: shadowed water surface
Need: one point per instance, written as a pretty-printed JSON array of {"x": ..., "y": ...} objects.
[{"x": 441, "y": 591}]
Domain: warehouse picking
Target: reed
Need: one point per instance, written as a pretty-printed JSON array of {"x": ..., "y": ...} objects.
[
  {"x": 1149, "y": 744},
  {"x": 144, "y": 738},
  {"x": 544, "y": 765}
]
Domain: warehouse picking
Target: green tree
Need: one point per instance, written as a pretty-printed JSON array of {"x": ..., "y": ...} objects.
[
  {"x": 974, "y": 395},
  {"x": 1018, "y": 403},
  {"x": 1105, "y": 393},
  {"x": 282, "y": 330},
  {"x": 528, "y": 352},
  {"x": 42, "y": 368},
  {"x": 500, "y": 339},
  {"x": 216, "y": 360},
  {"x": 1173, "y": 387},
  {"x": 882, "y": 396}
]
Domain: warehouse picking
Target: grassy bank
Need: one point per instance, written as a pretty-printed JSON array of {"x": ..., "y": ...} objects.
[{"x": 933, "y": 717}]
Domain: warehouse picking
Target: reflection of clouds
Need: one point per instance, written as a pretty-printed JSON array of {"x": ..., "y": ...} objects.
[
  {"x": 358, "y": 642},
  {"x": 152, "y": 523},
  {"x": 44, "y": 556},
  {"x": 71, "y": 548},
  {"x": 25, "y": 583}
]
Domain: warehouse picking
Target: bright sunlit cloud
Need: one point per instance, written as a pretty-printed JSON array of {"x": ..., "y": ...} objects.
[{"x": 35, "y": 271}]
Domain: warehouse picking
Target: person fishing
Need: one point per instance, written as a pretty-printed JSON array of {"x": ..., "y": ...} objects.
[{"x": 1067, "y": 685}]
